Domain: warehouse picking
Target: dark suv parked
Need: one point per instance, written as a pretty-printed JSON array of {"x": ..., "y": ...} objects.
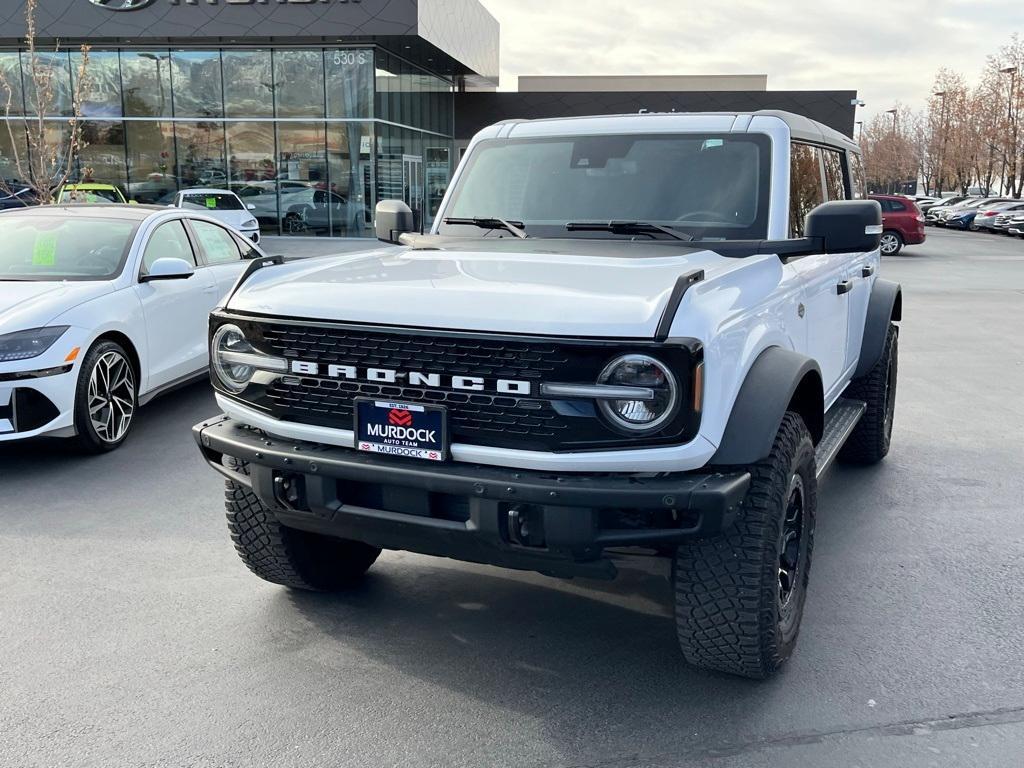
[{"x": 902, "y": 221}]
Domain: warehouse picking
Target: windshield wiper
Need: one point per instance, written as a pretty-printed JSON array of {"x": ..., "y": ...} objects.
[
  {"x": 515, "y": 227},
  {"x": 626, "y": 228}
]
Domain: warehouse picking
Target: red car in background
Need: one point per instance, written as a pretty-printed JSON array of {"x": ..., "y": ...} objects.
[{"x": 902, "y": 222}]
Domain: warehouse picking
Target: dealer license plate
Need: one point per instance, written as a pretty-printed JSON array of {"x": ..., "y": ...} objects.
[{"x": 402, "y": 429}]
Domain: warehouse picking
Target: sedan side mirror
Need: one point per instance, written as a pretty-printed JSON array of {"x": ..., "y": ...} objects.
[
  {"x": 846, "y": 226},
  {"x": 251, "y": 207},
  {"x": 394, "y": 219},
  {"x": 168, "y": 269}
]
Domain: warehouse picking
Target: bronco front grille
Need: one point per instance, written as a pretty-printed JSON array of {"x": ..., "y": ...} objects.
[{"x": 479, "y": 418}]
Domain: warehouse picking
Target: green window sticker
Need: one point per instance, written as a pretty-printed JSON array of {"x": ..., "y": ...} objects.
[
  {"x": 44, "y": 252},
  {"x": 211, "y": 202}
]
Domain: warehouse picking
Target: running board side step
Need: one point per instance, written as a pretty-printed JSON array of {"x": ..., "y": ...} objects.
[{"x": 841, "y": 419}]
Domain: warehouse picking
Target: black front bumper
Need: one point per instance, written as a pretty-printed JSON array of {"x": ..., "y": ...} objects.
[{"x": 557, "y": 524}]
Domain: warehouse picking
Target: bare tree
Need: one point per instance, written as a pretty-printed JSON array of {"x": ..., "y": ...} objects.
[
  {"x": 42, "y": 157},
  {"x": 891, "y": 149}
]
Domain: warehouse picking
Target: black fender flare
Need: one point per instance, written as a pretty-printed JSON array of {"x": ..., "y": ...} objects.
[
  {"x": 884, "y": 306},
  {"x": 779, "y": 380}
]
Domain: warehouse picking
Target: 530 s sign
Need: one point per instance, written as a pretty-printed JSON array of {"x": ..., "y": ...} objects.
[{"x": 135, "y": 5}]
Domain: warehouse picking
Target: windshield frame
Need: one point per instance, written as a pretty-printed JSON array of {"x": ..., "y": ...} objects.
[
  {"x": 757, "y": 230},
  {"x": 59, "y": 278}
]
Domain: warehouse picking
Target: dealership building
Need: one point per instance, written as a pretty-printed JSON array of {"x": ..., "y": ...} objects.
[{"x": 312, "y": 110}]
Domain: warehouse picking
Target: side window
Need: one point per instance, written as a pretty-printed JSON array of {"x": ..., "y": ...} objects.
[
  {"x": 896, "y": 205},
  {"x": 806, "y": 190},
  {"x": 218, "y": 244},
  {"x": 168, "y": 241},
  {"x": 857, "y": 181},
  {"x": 834, "y": 185}
]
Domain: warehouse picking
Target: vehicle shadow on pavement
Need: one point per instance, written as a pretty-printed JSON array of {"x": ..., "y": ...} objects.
[{"x": 575, "y": 655}]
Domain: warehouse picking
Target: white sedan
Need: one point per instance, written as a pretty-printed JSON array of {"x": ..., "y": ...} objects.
[
  {"x": 102, "y": 308},
  {"x": 223, "y": 205}
]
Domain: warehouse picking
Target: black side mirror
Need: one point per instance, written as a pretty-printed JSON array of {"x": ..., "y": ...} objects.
[
  {"x": 394, "y": 219},
  {"x": 846, "y": 226}
]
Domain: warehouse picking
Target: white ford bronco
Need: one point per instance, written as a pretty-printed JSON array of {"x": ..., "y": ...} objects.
[{"x": 632, "y": 335}]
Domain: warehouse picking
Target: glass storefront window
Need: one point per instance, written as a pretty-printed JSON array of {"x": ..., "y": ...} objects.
[
  {"x": 102, "y": 159},
  {"x": 58, "y": 64},
  {"x": 299, "y": 83},
  {"x": 313, "y": 176},
  {"x": 8, "y": 150},
  {"x": 196, "y": 83},
  {"x": 248, "y": 84},
  {"x": 349, "y": 82},
  {"x": 200, "y": 149},
  {"x": 146, "y": 83},
  {"x": 350, "y": 166},
  {"x": 152, "y": 169},
  {"x": 10, "y": 83},
  {"x": 307, "y": 205},
  {"x": 102, "y": 97},
  {"x": 385, "y": 81},
  {"x": 253, "y": 171}
]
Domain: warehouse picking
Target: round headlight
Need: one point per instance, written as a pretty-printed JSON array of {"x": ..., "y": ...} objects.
[
  {"x": 641, "y": 414},
  {"x": 233, "y": 375}
]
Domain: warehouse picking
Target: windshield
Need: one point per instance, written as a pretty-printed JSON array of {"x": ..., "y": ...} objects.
[
  {"x": 213, "y": 202},
  {"x": 90, "y": 196},
  {"x": 711, "y": 186},
  {"x": 60, "y": 248}
]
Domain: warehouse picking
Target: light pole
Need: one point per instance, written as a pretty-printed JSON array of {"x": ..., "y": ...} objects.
[
  {"x": 1009, "y": 179},
  {"x": 942, "y": 149},
  {"x": 860, "y": 131},
  {"x": 895, "y": 158}
]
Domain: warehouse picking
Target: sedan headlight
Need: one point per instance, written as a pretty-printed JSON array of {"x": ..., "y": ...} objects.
[
  {"x": 235, "y": 362},
  {"x": 250, "y": 223},
  {"x": 646, "y": 413},
  {"x": 25, "y": 345}
]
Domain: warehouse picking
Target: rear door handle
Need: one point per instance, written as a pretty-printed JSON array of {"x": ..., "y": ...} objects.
[
  {"x": 867, "y": 271},
  {"x": 844, "y": 287}
]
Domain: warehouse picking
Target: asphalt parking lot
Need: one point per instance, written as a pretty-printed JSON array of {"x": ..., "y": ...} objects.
[{"x": 131, "y": 635}]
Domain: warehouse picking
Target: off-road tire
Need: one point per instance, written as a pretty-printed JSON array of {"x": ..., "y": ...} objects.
[
  {"x": 729, "y": 612},
  {"x": 870, "y": 439},
  {"x": 288, "y": 556}
]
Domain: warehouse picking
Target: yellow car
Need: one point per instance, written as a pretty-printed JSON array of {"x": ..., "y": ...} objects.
[{"x": 92, "y": 193}]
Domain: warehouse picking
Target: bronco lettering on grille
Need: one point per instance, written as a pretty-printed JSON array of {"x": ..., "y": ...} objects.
[{"x": 412, "y": 378}]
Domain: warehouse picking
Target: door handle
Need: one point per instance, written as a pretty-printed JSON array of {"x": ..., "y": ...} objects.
[
  {"x": 844, "y": 287},
  {"x": 211, "y": 289},
  {"x": 867, "y": 271}
]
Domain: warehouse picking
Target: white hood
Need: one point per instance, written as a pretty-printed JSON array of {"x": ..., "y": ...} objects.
[
  {"x": 568, "y": 287},
  {"x": 34, "y": 304}
]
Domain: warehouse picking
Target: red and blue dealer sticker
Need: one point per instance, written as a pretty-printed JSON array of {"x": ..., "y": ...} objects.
[{"x": 402, "y": 429}]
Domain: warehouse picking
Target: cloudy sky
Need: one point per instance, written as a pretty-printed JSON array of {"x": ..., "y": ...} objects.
[{"x": 886, "y": 49}]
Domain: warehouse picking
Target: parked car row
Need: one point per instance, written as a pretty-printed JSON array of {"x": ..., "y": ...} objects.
[{"x": 979, "y": 214}]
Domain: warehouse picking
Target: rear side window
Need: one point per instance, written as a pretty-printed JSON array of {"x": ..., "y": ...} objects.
[
  {"x": 218, "y": 244},
  {"x": 806, "y": 187},
  {"x": 896, "y": 206},
  {"x": 834, "y": 184},
  {"x": 858, "y": 183}
]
